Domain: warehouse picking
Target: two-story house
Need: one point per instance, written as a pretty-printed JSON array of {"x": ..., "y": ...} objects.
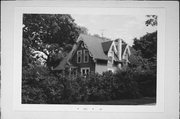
[{"x": 93, "y": 54}]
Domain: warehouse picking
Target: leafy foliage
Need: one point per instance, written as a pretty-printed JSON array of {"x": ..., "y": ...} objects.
[
  {"x": 147, "y": 83},
  {"x": 152, "y": 20},
  {"x": 147, "y": 48},
  {"x": 41, "y": 86},
  {"x": 54, "y": 35},
  {"x": 147, "y": 45},
  {"x": 50, "y": 34}
]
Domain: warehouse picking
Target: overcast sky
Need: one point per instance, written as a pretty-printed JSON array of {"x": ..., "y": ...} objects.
[{"x": 115, "y": 26}]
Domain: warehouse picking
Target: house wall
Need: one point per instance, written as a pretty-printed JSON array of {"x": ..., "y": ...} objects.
[
  {"x": 111, "y": 64},
  {"x": 103, "y": 66},
  {"x": 100, "y": 66},
  {"x": 113, "y": 67},
  {"x": 90, "y": 64}
]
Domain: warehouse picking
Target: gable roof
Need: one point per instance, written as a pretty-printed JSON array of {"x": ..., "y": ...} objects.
[
  {"x": 106, "y": 45},
  {"x": 124, "y": 45},
  {"x": 94, "y": 45},
  {"x": 123, "y": 48},
  {"x": 98, "y": 49}
]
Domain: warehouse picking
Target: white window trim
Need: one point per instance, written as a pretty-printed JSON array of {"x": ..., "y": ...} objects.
[
  {"x": 85, "y": 68},
  {"x": 80, "y": 56},
  {"x": 87, "y": 57}
]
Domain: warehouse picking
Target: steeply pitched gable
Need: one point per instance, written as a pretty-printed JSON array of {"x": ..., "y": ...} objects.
[
  {"x": 98, "y": 49},
  {"x": 124, "y": 45},
  {"x": 106, "y": 45},
  {"x": 94, "y": 45}
]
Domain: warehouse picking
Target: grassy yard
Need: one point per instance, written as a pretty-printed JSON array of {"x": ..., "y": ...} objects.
[{"x": 141, "y": 101}]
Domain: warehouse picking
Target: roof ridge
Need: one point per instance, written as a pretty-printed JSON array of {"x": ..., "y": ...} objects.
[{"x": 94, "y": 45}]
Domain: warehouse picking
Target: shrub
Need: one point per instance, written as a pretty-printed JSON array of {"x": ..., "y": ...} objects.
[
  {"x": 125, "y": 84},
  {"x": 147, "y": 83},
  {"x": 41, "y": 86},
  {"x": 31, "y": 89},
  {"x": 97, "y": 88}
]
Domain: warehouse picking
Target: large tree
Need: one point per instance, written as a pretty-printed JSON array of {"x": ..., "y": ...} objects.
[
  {"x": 51, "y": 34},
  {"x": 147, "y": 44},
  {"x": 152, "y": 20}
]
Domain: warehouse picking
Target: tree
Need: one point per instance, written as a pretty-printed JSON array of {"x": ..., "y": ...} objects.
[
  {"x": 152, "y": 20},
  {"x": 49, "y": 33},
  {"x": 147, "y": 49},
  {"x": 147, "y": 45}
]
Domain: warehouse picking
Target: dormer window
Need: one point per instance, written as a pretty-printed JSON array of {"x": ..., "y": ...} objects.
[
  {"x": 86, "y": 56},
  {"x": 79, "y": 56}
]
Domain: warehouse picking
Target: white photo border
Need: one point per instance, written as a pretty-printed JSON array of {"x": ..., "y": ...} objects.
[{"x": 17, "y": 81}]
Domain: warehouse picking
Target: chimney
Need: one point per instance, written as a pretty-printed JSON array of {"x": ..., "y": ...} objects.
[
  {"x": 119, "y": 49},
  {"x": 119, "y": 46}
]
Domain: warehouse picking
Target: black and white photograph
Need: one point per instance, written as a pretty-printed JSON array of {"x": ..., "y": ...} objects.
[{"x": 89, "y": 59}]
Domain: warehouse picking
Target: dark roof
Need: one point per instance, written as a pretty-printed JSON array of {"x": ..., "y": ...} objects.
[
  {"x": 94, "y": 45},
  {"x": 123, "y": 48},
  {"x": 106, "y": 45}
]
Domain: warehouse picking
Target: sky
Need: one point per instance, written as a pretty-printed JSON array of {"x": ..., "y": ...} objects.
[{"x": 126, "y": 27}]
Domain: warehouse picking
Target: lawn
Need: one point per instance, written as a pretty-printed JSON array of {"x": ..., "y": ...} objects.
[{"x": 141, "y": 101}]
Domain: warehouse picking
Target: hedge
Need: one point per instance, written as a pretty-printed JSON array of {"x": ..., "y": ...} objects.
[{"x": 40, "y": 86}]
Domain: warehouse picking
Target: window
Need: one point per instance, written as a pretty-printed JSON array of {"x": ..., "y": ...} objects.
[
  {"x": 85, "y": 71},
  {"x": 110, "y": 59},
  {"x": 79, "y": 56},
  {"x": 86, "y": 56}
]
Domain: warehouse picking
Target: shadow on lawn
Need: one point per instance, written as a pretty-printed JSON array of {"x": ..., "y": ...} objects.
[{"x": 141, "y": 101}]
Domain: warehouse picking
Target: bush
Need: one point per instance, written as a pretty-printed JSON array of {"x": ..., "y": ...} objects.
[
  {"x": 98, "y": 87},
  {"x": 147, "y": 83},
  {"x": 41, "y": 86},
  {"x": 126, "y": 86},
  {"x": 31, "y": 89}
]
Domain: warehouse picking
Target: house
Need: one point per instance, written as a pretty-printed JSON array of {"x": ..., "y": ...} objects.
[{"x": 93, "y": 54}]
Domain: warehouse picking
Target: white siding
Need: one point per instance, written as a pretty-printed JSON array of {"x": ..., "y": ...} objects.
[{"x": 99, "y": 68}]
